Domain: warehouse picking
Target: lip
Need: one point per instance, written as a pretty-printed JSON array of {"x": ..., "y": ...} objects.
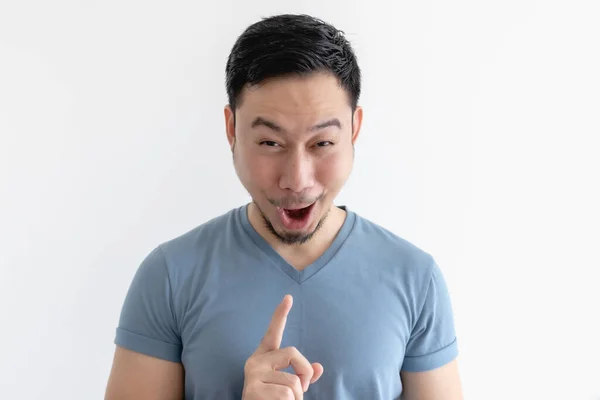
[{"x": 296, "y": 207}]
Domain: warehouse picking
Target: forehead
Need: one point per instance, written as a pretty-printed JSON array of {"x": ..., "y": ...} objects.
[{"x": 307, "y": 97}]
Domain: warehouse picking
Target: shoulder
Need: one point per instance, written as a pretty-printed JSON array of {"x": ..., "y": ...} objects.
[
  {"x": 383, "y": 243},
  {"x": 203, "y": 234},
  {"x": 394, "y": 254},
  {"x": 182, "y": 254}
]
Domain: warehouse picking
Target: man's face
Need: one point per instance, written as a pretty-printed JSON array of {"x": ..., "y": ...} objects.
[{"x": 293, "y": 150}]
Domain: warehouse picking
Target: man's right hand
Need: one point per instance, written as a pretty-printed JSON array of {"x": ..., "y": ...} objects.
[{"x": 263, "y": 378}]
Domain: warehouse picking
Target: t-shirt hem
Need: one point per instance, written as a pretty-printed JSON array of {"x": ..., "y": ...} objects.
[
  {"x": 431, "y": 361},
  {"x": 145, "y": 345}
]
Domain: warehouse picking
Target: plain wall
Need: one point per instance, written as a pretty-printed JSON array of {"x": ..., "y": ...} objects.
[{"x": 479, "y": 145}]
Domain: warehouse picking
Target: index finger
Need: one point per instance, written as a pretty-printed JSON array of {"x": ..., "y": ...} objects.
[{"x": 274, "y": 334}]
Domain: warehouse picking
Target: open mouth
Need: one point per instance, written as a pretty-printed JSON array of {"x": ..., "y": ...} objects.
[
  {"x": 298, "y": 214},
  {"x": 297, "y": 218}
]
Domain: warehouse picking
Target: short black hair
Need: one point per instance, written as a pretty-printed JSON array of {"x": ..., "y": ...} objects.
[{"x": 291, "y": 44}]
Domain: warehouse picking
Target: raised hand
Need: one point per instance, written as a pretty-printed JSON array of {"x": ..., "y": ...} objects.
[{"x": 263, "y": 378}]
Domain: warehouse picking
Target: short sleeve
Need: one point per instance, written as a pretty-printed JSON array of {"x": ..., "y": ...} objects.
[
  {"x": 147, "y": 322},
  {"x": 432, "y": 342}
]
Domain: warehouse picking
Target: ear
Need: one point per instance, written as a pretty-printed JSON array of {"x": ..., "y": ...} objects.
[
  {"x": 229, "y": 125},
  {"x": 357, "y": 119}
]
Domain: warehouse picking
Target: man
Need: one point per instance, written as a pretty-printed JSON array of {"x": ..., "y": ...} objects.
[{"x": 290, "y": 296}]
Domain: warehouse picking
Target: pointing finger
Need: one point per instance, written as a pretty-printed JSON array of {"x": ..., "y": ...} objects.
[{"x": 274, "y": 334}]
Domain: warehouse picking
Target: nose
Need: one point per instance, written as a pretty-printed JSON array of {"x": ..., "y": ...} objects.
[{"x": 297, "y": 173}]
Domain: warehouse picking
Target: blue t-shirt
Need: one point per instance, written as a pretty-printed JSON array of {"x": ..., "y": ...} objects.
[{"x": 372, "y": 305}]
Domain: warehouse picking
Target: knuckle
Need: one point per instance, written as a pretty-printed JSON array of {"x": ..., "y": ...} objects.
[
  {"x": 285, "y": 393},
  {"x": 294, "y": 380},
  {"x": 247, "y": 368},
  {"x": 251, "y": 391},
  {"x": 292, "y": 350},
  {"x": 250, "y": 364}
]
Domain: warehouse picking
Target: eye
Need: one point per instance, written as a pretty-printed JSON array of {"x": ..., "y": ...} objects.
[
  {"x": 269, "y": 143},
  {"x": 324, "y": 143}
]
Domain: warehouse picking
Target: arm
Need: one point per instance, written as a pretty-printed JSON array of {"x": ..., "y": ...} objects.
[
  {"x": 147, "y": 361},
  {"x": 430, "y": 369},
  {"x": 137, "y": 376},
  {"x": 442, "y": 383}
]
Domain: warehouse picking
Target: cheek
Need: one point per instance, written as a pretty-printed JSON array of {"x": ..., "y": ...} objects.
[
  {"x": 333, "y": 170},
  {"x": 259, "y": 172}
]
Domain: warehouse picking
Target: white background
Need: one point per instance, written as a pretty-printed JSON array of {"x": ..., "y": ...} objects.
[{"x": 480, "y": 145}]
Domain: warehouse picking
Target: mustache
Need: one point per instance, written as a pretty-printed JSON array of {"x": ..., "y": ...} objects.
[{"x": 287, "y": 202}]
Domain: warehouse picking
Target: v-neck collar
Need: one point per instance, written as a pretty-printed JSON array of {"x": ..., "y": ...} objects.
[{"x": 299, "y": 275}]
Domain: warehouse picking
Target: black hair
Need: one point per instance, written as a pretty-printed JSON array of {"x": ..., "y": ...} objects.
[{"x": 290, "y": 44}]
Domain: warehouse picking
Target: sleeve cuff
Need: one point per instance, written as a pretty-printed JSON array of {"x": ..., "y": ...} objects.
[
  {"x": 431, "y": 361},
  {"x": 145, "y": 345}
]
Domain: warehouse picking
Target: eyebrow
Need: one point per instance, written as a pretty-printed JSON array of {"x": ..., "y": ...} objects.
[{"x": 260, "y": 121}]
